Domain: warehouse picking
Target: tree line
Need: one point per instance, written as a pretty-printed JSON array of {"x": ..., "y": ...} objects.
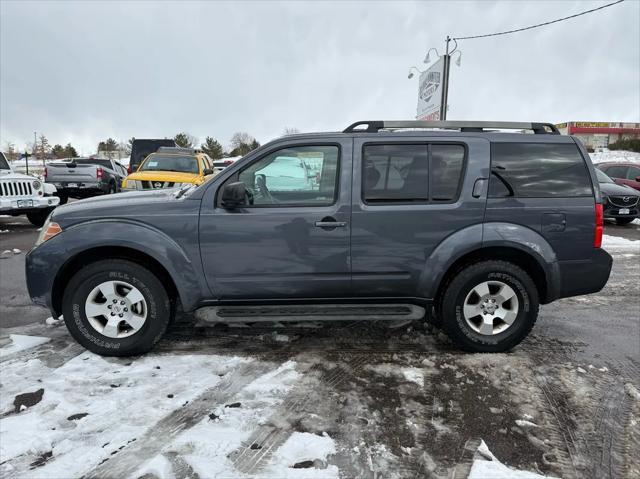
[{"x": 241, "y": 143}]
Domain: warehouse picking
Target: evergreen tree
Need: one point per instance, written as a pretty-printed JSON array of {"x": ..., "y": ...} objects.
[
  {"x": 58, "y": 151},
  {"x": 185, "y": 140},
  {"x": 70, "y": 151},
  {"x": 212, "y": 148}
]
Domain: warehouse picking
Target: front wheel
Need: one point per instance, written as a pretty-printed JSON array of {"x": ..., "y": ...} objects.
[
  {"x": 624, "y": 221},
  {"x": 116, "y": 308},
  {"x": 37, "y": 218},
  {"x": 64, "y": 197},
  {"x": 489, "y": 306}
]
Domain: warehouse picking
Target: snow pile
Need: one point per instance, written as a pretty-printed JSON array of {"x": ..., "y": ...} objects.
[
  {"x": 486, "y": 465},
  {"x": 18, "y": 342},
  {"x": 618, "y": 156},
  {"x": 617, "y": 243}
]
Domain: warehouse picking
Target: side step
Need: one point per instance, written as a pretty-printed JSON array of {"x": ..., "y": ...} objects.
[{"x": 310, "y": 312}]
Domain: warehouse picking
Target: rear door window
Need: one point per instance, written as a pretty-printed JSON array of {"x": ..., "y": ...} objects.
[
  {"x": 411, "y": 173},
  {"x": 538, "y": 170}
]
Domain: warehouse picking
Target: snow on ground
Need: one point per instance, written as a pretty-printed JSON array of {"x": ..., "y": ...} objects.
[
  {"x": 92, "y": 406},
  {"x": 19, "y": 342},
  {"x": 487, "y": 466},
  {"x": 615, "y": 156},
  {"x": 616, "y": 243}
]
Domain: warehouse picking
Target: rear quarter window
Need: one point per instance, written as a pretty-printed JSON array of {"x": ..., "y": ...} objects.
[{"x": 538, "y": 170}]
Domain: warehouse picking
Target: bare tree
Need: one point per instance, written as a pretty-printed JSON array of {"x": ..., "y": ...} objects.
[
  {"x": 10, "y": 151},
  {"x": 241, "y": 138},
  {"x": 290, "y": 130}
]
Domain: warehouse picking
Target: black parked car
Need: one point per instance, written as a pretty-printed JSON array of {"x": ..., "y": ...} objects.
[
  {"x": 620, "y": 202},
  {"x": 384, "y": 220}
]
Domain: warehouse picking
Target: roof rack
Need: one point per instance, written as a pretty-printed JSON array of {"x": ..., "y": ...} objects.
[
  {"x": 177, "y": 149},
  {"x": 463, "y": 126}
]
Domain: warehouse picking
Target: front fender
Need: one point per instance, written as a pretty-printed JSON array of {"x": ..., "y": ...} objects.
[{"x": 44, "y": 263}]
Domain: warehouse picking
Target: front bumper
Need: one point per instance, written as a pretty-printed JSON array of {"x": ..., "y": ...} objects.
[
  {"x": 22, "y": 204},
  {"x": 585, "y": 276}
]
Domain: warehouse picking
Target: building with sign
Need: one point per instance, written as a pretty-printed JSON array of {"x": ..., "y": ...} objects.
[{"x": 598, "y": 134}]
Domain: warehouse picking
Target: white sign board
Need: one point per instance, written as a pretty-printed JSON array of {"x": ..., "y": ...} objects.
[{"x": 430, "y": 92}]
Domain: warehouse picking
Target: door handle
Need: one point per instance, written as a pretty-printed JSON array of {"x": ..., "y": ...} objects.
[
  {"x": 478, "y": 187},
  {"x": 330, "y": 222}
]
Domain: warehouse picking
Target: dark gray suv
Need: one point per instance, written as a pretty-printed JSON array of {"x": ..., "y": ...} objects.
[{"x": 468, "y": 226}]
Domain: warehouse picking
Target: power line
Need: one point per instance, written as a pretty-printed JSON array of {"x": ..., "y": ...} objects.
[{"x": 539, "y": 24}]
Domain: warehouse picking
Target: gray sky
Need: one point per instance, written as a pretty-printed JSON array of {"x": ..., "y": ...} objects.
[{"x": 80, "y": 72}]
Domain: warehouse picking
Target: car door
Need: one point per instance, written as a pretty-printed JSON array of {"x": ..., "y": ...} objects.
[
  {"x": 410, "y": 195},
  {"x": 293, "y": 241}
]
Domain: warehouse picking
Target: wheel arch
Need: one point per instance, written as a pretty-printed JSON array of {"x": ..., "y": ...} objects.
[
  {"x": 98, "y": 253},
  {"x": 529, "y": 261}
]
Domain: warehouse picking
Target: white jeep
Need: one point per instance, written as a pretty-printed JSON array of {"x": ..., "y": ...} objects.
[{"x": 23, "y": 194}]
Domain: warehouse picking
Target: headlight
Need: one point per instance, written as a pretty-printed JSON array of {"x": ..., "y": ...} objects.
[
  {"x": 36, "y": 184},
  {"x": 48, "y": 231}
]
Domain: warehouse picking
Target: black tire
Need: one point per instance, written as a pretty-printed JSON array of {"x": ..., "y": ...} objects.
[
  {"x": 37, "y": 218},
  {"x": 461, "y": 285},
  {"x": 112, "y": 188},
  {"x": 63, "y": 198},
  {"x": 624, "y": 221},
  {"x": 84, "y": 281}
]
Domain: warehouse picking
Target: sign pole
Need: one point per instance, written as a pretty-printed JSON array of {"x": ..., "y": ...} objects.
[{"x": 445, "y": 82}]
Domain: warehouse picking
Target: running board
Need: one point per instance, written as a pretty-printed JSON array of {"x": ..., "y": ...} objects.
[{"x": 310, "y": 312}]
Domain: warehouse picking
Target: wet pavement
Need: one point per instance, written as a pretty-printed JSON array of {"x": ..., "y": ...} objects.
[{"x": 397, "y": 399}]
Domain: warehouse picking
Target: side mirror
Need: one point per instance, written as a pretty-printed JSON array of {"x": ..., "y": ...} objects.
[
  {"x": 234, "y": 195},
  {"x": 207, "y": 171}
]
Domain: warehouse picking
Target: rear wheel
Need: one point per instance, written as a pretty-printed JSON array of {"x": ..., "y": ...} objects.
[
  {"x": 624, "y": 221},
  {"x": 489, "y": 306},
  {"x": 37, "y": 218},
  {"x": 116, "y": 308}
]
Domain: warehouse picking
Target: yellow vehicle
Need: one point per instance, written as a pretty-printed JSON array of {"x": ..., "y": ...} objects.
[{"x": 170, "y": 167}]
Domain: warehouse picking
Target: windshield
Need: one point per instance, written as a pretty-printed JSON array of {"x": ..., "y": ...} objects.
[
  {"x": 182, "y": 164},
  {"x": 602, "y": 177},
  {"x": 3, "y": 162}
]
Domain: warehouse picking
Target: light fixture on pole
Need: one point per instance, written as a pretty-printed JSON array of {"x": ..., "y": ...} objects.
[
  {"x": 439, "y": 76},
  {"x": 427, "y": 58},
  {"x": 410, "y": 74}
]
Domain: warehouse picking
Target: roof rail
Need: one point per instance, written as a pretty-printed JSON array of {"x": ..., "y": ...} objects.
[{"x": 463, "y": 126}]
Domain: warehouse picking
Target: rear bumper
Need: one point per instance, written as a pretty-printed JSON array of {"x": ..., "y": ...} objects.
[{"x": 585, "y": 276}]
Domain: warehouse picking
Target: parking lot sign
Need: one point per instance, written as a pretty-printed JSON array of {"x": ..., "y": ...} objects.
[{"x": 430, "y": 92}]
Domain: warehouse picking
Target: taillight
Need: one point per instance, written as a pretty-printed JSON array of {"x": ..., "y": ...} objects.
[
  {"x": 44, "y": 173},
  {"x": 597, "y": 240},
  {"x": 129, "y": 169},
  {"x": 228, "y": 162},
  {"x": 99, "y": 173}
]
